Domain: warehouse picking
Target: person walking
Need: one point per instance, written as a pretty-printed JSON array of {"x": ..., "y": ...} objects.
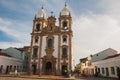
[{"x": 16, "y": 72}]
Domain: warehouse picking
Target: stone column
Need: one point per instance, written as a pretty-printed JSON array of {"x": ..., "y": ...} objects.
[
  {"x": 70, "y": 52},
  {"x": 39, "y": 58},
  {"x": 30, "y": 56},
  {"x": 59, "y": 41}
]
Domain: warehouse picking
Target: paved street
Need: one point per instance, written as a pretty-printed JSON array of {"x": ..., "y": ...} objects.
[
  {"x": 30, "y": 78},
  {"x": 34, "y": 77},
  {"x": 17, "y": 78},
  {"x": 14, "y": 78},
  {"x": 94, "y": 78}
]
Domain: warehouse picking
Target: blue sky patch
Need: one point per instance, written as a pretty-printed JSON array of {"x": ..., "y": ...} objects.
[{"x": 6, "y": 38}]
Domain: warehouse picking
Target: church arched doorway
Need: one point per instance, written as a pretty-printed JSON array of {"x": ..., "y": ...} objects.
[
  {"x": 64, "y": 70},
  {"x": 34, "y": 68},
  {"x": 48, "y": 67}
]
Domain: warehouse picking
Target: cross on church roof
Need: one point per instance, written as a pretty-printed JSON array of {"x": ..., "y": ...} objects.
[{"x": 52, "y": 13}]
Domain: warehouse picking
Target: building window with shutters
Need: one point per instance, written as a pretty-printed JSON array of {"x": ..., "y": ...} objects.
[
  {"x": 103, "y": 71},
  {"x": 112, "y": 70},
  {"x": 99, "y": 70}
]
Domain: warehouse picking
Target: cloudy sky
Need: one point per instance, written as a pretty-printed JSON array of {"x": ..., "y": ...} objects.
[{"x": 96, "y": 23}]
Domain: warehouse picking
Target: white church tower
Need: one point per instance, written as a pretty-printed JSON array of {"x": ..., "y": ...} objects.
[{"x": 51, "y": 45}]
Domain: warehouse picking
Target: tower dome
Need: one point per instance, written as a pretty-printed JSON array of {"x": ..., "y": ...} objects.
[
  {"x": 65, "y": 11},
  {"x": 41, "y": 14}
]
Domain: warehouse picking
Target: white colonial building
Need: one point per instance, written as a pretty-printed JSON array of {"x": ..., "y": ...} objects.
[
  {"x": 109, "y": 66},
  {"x": 51, "y": 45},
  {"x": 104, "y": 63},
  {"x": 9, "y": 64}
]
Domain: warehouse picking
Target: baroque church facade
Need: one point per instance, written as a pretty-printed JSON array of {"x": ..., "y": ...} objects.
[{"x": 51, "y": 45}]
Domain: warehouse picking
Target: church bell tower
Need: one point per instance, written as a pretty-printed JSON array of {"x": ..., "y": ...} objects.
[{"x": 51, "y": 45}]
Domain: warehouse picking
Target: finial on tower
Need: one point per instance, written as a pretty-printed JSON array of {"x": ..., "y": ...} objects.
[
  {"x": 52, "y": 13},
  {"x": 42, "y": 6},
  {"x": 65, "y": 4},
  {"x": 35, "y": 16}
]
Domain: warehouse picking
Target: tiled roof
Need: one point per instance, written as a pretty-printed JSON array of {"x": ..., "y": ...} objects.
[
  {"x": 3, "y": 54},
  {"x": 13, "y": 52},
  {"x": 112, "y": 56}
]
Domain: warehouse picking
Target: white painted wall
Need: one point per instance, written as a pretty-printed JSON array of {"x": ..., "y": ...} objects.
[
  {"x": 112, "y": 62},
  {"x": 43, "y": 53},
  {"x": 7, "y": 61},
  {"x": 73, "y": 62},
  {"x": 55, "y": 53},
  {"x": 67, "y": 44}
]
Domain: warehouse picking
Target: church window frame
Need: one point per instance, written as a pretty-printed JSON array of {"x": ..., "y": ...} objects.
[
  {"x": 64, "y": 51},
  {"x": 50, "y": 43},
  {"x": 51, "y": 46},
  {"x": 35, "y": 52},
  {"x": 36, "y": 39},
  {"x": 37, "y": 27},
  {"x": 64, "y": 38},
  {"x": 65, "y": 25}
]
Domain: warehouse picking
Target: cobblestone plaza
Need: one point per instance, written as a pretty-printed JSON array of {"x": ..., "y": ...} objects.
[{"x": 53, "y": 78}]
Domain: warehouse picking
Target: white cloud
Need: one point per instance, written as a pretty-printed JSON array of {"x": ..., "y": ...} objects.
[
  {"x": 18, "y": 31},
  {"x": 23, "y": 7},
  {"x": 111, "y": 6},
  {"x": 12, "y": 44},
  {"x": 95, "y": 32},
  {"x": 92, "y": 32},
  {"x": 4, "y": 21}
]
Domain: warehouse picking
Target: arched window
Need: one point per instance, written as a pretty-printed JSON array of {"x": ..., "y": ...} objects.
[
  {"x": 38, "y": 27},
  {"x": 65, "y": 24},
  {"x": 48, "y": 67},
  {"x": 64, "y": 52},
  {"x": 64, "y": 38},
  {"x": 36, "y": 39},
  {"x": 50, "y": 43}
]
